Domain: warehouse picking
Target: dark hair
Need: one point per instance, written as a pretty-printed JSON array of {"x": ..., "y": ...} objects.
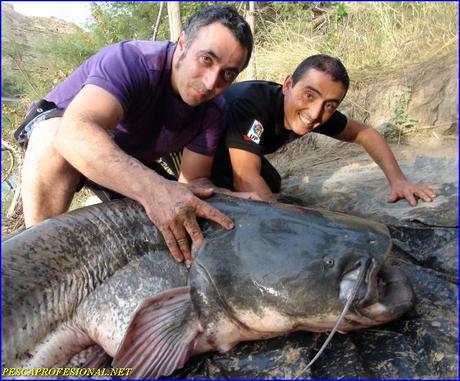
[
  {"x": 327, "y": 64},
  {"x": 227, "y": 16}
]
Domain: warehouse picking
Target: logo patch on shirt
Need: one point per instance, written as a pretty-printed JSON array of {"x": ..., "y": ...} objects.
[{"x": 255, "y": 132}]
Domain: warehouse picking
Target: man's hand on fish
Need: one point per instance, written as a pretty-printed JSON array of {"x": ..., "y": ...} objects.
[
  {"x": 247, "y": 195},
  {"x": 174, "y": 209},
  {"x": 204, "y": 183},
  {"x": 409, "y": 191}
]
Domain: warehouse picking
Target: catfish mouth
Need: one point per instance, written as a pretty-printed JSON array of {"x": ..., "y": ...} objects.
[{"x": 384, "y": 295}]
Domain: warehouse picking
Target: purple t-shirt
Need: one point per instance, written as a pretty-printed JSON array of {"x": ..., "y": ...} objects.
[{"x": 156, "y": 121}]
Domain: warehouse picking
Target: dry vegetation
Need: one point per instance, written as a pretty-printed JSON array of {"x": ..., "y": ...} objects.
[{"x": 364, "y": 35}]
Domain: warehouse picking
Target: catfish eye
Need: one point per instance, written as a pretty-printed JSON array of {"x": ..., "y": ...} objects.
[{"x": 329, "y": 262}]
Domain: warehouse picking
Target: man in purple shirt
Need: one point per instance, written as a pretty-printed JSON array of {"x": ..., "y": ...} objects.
[{"x": 125, "y": 107}]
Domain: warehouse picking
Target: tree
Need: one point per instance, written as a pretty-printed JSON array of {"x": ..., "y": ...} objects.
[
  {"x": 157, "y": 24},
  {"x": 251, "y": 19},
  {"x": 175, "y": 26}
]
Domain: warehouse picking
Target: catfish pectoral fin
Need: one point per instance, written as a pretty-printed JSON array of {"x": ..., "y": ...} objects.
[{"x": 161, "y": 336}]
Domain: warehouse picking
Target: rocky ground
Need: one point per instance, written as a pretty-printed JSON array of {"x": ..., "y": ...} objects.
[{"x": 342, "y": 177}]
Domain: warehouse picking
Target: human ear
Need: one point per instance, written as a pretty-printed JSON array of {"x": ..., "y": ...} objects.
[
  {"x": 287, "y": 84},
  {"x": 181, "y": 41}
]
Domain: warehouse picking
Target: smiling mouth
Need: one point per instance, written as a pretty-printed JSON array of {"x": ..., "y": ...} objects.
[{"x": 307, "y": 124}]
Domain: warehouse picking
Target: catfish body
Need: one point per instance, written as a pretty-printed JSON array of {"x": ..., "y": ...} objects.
[{"x": 102, "y": 276}]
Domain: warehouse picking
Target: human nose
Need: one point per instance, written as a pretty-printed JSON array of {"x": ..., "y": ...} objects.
[
  {"x": 211, "y": 79},
  {"x": 316, "y": 111}
]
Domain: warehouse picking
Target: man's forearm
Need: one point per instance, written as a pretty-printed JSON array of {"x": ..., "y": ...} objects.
[
  {"x": 205, "y": 182},
  {"x": 256, "y": 184},
  {"x": 90, "y": 149},
  {"x": 381, "y": 153}
]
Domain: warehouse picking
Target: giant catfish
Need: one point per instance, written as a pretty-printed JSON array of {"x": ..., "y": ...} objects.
[{"x": 102, "y": 276}]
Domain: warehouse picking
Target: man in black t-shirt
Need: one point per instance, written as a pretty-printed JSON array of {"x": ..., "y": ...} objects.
[{"x": 263, "y": 116}]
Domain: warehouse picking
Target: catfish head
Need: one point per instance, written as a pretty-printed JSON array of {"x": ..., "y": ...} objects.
[{"x": 287, "y": 268}]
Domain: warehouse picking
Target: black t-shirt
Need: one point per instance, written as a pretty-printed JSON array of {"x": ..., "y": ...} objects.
[
  {"x": 255, "y": 123},
  {"x": 255, "y": 118}
]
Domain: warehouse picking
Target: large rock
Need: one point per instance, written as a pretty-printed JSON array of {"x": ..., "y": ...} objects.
[{"x": 426, "y": 92}]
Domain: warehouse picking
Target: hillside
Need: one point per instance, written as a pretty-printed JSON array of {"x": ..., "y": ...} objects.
[{"x": 23, "y": 38}]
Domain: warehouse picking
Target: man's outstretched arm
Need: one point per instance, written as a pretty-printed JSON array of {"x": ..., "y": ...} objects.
[
  {"x": 83, "y": 140},
  {"x": 381, "y": 153}
]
